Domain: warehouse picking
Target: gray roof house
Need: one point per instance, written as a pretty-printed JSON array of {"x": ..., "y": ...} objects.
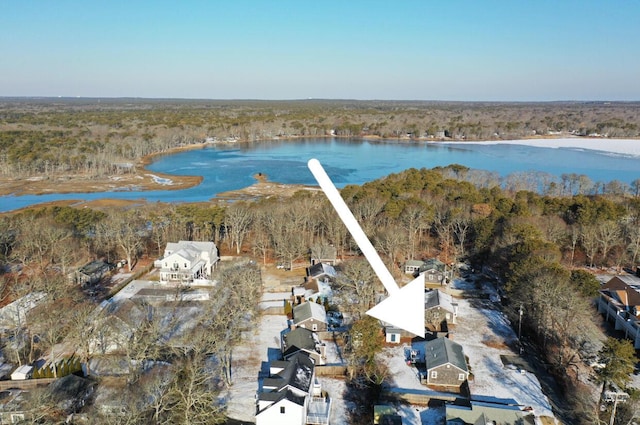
[
  {"x": 444, "y": 360},
  {"x": 302, "y": 340},
  {"x": 439, "y": 307},
  {"x": 501, "y": 411},
  {"x": 92, "y": 272},
  {"x": 321, "y": 271},
  {"x": 435, "y": 272},
  {"x": 310, "y": 315}
]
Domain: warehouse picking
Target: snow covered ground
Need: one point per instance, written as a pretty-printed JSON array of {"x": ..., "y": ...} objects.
[
  {"x": 257, "y": 347},
  {"x": 618, "y": 146},
  {"x": 486, "y": 334},
  {"x": 482, "y": 330}
]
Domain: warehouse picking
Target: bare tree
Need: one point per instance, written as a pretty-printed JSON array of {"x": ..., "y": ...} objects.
[
  {"x": 589, "y": 240},
  {"x": 356, "y": 287},
  {"x": 608, "y": 234},
  {"x": 237, "y": 224},
  {"x": 124, "y": 231}
]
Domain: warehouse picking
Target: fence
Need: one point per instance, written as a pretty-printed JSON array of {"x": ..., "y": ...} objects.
[
  {"x": 331, "y": 370},
  {"x": 27, "y": 384}
]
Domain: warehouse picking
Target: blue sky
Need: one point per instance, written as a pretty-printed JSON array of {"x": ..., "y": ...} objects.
[{"x": 294, "y": 49}]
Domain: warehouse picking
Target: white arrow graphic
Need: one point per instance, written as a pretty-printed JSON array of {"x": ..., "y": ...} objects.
[{"x": 404, "y": 307}]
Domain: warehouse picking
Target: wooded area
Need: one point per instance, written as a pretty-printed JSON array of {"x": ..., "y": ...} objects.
[{"x": 101, "y": 137}]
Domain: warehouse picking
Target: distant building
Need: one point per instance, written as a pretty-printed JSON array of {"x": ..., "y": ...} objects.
[
  {"x": 91, "y": 273},
  {"x": 22, "y": 373}
]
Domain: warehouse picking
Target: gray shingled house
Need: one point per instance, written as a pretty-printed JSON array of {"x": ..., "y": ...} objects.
[
  {"x": 444, "y": 362},
  {"x": 310, "y": 315},
  {"x": 302, "y": 340}
]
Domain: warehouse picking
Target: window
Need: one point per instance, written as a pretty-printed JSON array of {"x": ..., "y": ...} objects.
[
  {"x": 17, "y": 418},
  {"x": 461, "y": 377},
  {"x": 281, "y": 409},
  {"x": 393, "y": 337},
  {"x": 434, "y": 374}
]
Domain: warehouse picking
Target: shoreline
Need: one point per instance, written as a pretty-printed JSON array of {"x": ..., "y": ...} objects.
[{"x": 145, "y": 180}]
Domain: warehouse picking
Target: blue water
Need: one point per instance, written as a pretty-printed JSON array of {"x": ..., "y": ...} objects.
[{"x": 231, "y": 167}]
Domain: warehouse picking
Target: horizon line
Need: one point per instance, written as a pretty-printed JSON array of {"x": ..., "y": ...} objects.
[{"x": 35, "y": 97}]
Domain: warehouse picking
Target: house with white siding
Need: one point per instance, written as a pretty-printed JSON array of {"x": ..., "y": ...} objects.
[{"x": 188, "y": 263}]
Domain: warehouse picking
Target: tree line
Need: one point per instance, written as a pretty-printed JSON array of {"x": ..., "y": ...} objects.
[{"x": 109, "y": 136}]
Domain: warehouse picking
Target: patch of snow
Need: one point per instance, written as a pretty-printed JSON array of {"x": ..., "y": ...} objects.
[
  {"x": 619, "y": 146},
  {"x": 161, "y": 180},
  {"x": 257, "y": 347}
]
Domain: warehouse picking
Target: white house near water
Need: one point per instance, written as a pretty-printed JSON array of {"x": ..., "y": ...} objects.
[{"x": 188, "y": 263}]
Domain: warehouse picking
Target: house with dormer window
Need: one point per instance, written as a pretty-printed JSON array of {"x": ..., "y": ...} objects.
[{"x": 188, "y": 263}]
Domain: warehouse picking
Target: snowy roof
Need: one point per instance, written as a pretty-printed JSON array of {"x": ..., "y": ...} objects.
[
  {"x": 191, "y": 249},
  {"x": 437, "y": 298},
  {"x": 308, "y": 310},
  {"x": 441, "y": 351},
  {"x": 297, "y": 373},
  {"x": 321, "y": 269}
]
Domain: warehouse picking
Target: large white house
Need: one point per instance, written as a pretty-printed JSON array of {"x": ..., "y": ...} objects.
[{"x": 188, "y": 262}]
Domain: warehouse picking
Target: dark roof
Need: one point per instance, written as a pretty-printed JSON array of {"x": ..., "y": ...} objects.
[
  {"x": 95, "y": 267},
  {"x": 276, "y": 396},
  {"x": 432, "y": 264},
  {"x": 437, "y": 298},
  {"x": 321, "y": 269},
  {"x": 441, "y": 351},
  {"x": 297, "y": 373},
  {"x": 299, "y": 339},
  {"x": 390, "y": 420}
]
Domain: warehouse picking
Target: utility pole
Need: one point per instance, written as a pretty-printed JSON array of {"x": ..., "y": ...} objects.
[{"x": 520, "y": 311}]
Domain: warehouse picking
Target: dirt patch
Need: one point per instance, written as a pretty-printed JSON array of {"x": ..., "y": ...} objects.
[
  {"x": 79, "y": 183},
  {"x": 494, "y": 342}
]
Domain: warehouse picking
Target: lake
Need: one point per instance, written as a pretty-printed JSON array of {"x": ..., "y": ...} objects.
[{"x": 230, "y": 167}]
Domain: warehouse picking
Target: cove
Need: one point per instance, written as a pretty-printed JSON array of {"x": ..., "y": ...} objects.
[{"x": 349, "y": 161}]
